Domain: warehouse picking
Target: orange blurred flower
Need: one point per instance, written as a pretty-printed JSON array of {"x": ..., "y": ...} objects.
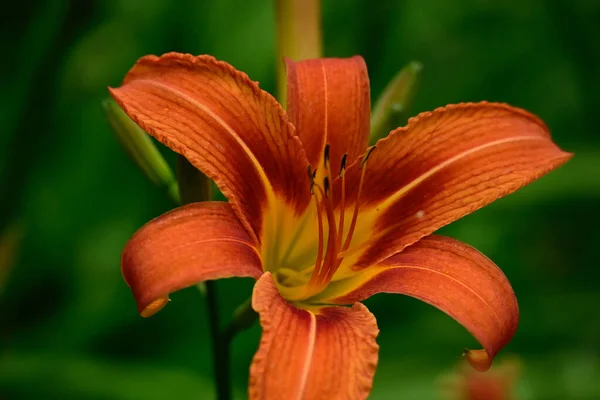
[{"x": 497, "y": 384}]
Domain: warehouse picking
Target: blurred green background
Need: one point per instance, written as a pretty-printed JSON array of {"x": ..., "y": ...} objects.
[{"x": 71, "y": 198}]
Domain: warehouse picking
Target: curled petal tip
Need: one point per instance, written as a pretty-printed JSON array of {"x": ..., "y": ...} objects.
[
  {"x": 479, "y": 359},
  {"x": 162, "y": 256},
  {"x": 154, "y": 307}
]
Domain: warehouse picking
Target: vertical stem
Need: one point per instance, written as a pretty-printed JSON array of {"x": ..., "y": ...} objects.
[
  {"x": 193, "y": 187},
  {"x": 298, "y": 35},
  {"x": 220, "y": 344}
]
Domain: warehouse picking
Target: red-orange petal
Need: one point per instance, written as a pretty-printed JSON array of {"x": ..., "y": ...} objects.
[
  {"x": 453, "y": 277},
  {"x": 446, "y": 164},
  {"x": 331, "y": 354},
  {"x": 225, "y": 125},
  {"x": 329, "y": 102},
  {"x": 183, "y": 247}
]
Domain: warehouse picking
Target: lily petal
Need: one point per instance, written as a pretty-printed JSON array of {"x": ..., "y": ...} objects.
[
  {"x": 225, "y": 125},
  {"x": 327, "y": 354},
  {"x": 329, "y": 102},
  {"x": 451, "y": 276},
  {"x": 446, "y": 164},
  {"x": 183, "y": 247}
]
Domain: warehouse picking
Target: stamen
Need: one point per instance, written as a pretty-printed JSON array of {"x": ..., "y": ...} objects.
[
  {"x": 342, "y": 200},
  {"x": 318, "y": 265},
  {"x": 363, "y": 167},
  {"x": 367, "y": 155},
  {"x": 322, "y": 266},
  {"x": 311, "y": 178},
  {"x": 328, "y": 170},
  {"x": 326, "y": 265},
  {"x": 332, "y": 249},
  {"x": 343, "y": 164}
]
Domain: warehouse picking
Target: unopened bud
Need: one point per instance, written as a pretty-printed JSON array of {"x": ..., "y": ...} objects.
[
  {"x": 392, "y": 107},
  {"x": 142, "y": 150}
]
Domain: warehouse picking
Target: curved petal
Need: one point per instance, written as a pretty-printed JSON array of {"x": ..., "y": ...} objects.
[
  {"x": 443, "y": 165},
  {"x": 451, "y": 276},
  {"x": 183, "y": 247},
  {"x": 329, "y": 354},
  {"x": 329, "y": 102},
  {"x": 225, "y": 125}
]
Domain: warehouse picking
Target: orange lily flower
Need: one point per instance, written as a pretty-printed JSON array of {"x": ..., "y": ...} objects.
[{"x": 320, "y": 220}]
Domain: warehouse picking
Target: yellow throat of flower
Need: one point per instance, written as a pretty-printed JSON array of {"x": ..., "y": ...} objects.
[{"x": 300, "y": 286}]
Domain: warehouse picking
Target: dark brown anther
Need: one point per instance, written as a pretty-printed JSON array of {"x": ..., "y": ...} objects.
[
  {"x": 343, "y": 164},
  {"x": 311, "y": 178},
  {"x": 326, "y": 186},
  {"x": 367, "y": 155},
  {"x": 326, "y": 155}
]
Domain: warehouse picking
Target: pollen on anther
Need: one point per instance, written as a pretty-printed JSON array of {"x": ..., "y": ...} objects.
[
  {"x": 326, "y": 154},
  {"x": 326, "y": 186},
  {"x": 311, "y": 178},
  {"x": 343, "y": 164},
  {"x": 367, "y": 155}
]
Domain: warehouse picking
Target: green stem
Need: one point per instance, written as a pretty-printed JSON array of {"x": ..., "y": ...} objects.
[
  {"x": 220, "y": 344},
  {"x": 194, "y": 187},
  {"x": 244, "y": 317}
]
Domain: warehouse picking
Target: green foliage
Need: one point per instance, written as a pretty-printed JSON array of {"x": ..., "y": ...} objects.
[{"x": 68, "y": 323}]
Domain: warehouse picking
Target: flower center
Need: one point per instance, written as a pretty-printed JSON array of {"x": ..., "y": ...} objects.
[{"x": 330, "y": 252}]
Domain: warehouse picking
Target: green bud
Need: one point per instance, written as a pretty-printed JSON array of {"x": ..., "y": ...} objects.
[
  {"x": 392, "y": 107},
  {"x": 142, "y": 150}
]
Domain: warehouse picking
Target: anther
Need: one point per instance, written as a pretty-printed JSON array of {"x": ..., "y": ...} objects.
[
  {"x": 311, "y": 178},
  {"x": 367, "y": 155},
  {"x": 343, "y": 164},
  {"x": 357, "y": 201},
  {"x": 326, "y": 155},
  {"x": 326, "y": 186}
]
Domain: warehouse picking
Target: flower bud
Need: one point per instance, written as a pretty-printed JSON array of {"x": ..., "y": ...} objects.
[
  {"x": 142, "y": 150},
  {"x": 391, "y": 108}
]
